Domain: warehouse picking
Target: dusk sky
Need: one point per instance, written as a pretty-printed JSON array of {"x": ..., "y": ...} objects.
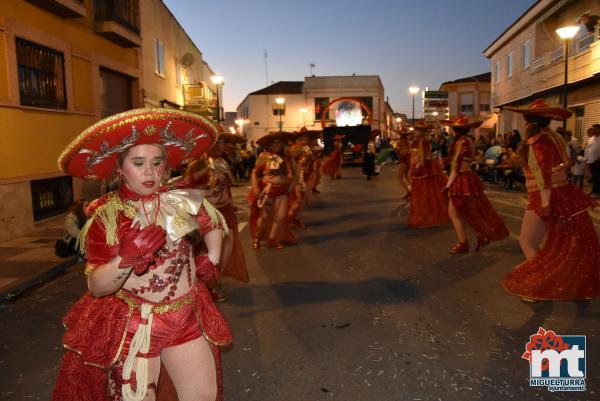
[{"x": 424, "y": 42}]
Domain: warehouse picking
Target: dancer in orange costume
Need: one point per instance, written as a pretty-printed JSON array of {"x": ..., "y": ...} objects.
[
  {"x": 332, "y": 163},
  {"x": 468, "y": 203},
  {"x": 147, "y": 302},
  {"x": 271, "y": 180},
  {"x": 428, "y": 203},
  {"x": 403, "y": 151},
  {"x": 301, "y": 154},
  {"x": 567, "y": 265}
]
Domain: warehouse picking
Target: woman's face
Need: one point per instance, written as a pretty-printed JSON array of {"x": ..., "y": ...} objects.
[{"x": 143, "y": 169}]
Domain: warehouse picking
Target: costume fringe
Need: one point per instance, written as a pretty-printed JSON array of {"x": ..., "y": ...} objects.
[
  {"x": 216, "y": 218},
  {"x": 535, "y": 169}
]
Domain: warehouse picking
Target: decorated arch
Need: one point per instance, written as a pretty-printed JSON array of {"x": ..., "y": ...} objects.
[{"x": 362, "y": 104}]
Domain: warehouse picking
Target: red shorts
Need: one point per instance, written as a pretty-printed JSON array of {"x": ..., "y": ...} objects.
[{"x": 169, "y": 328}]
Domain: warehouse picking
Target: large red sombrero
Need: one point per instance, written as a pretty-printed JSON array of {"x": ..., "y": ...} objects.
[
  {"x": 461, "y": 121},
  {"x": 282, "y": 136},
  {"x": 422, "y": 124},
  {"x": 540, "y": 108},
  {"x": 94, "y": 153},
  {"x": 312, "y": 134}
]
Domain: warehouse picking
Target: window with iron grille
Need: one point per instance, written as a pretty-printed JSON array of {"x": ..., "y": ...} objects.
[
  {"x": 41, "y": 75},
  {"x": 123, "y": 12}
]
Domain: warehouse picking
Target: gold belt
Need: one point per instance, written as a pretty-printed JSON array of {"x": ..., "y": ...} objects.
[{"x": 173, "y": 306}]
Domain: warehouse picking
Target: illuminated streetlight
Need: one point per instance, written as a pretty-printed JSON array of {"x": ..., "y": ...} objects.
[
  {"x": 566, "y": 33},
  {"x": 240, "y": 123},
  {"x": 232, "y": 130},
  {"x": 280, "y": 101},
  {"x": 413, "y": 91},
  {"x": 217, "y": 80}
]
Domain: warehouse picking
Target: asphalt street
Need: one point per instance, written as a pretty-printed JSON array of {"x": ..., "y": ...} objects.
[{"x": 363, "y": 308}]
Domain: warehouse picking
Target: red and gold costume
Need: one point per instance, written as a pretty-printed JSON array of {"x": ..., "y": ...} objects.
[
  {"x": 215, "y": 177},
  {"x": 568, "y": 265},
  {"x": 298, "y": 198},
  {"x": 165, "y": 302},
  {"x": 467, "y": 196},
  {"x": 332, "y": 163},
  {"x": 274, "y": 176},
  {"x": 428, "y": 203}
]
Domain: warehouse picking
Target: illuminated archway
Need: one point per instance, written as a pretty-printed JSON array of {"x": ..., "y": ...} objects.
[{"x": 363, "y": 105}]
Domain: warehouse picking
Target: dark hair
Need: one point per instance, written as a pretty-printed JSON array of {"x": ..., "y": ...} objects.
[
  {"x": 77, "y": 209},
  {"x": 460, "y": 131},
  {"x": 543, "y": 122}
]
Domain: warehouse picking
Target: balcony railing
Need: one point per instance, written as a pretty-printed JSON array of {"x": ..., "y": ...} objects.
[
  {"x": 557, "y": 53},
  {"x": 584, "y": 43},
  {"x": 199, "y": 99},
  {"x": 124, "y": 12},
  {"x": 538, "y": 63}
]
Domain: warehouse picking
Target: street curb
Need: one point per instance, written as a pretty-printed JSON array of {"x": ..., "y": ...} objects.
[{"x": 33, "y": 281}]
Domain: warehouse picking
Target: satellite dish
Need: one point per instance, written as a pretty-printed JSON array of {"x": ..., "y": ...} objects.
[{"x": 187, "y": 60}]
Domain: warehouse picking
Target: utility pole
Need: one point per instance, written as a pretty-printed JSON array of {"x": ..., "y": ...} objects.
[{"x": 266, "y": 68}]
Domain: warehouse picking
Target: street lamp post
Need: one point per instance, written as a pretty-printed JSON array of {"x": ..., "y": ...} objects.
[
  {"x": 217, "y": 80},
  {"x": 566, "y": 33},
  {"x": 413, "y": 91},
  {"x": 303, "y": 111},
  {"x": 280, "y": 101}
]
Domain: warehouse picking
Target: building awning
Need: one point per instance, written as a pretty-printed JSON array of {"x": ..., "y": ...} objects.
[{"x": 490, "y": 122}]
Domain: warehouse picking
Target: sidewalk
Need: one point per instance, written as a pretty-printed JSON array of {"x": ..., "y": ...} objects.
[{"x": 28, "y": 261}]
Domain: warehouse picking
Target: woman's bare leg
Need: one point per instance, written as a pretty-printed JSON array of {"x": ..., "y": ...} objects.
[
  {"x": 457, "y": 222},
  {"x": 532, "y": 234},
  {"x": 191, "y": 367},
  {"x": 402, "y": 176},
  {"x": 279, "y": 215}
]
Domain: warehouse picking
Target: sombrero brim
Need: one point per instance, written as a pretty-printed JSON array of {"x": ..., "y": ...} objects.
[
  {"x": 231, "y": 138},
  {"x": 449, "y": 123},
  {"x": 93, "y": 154},
  {"x": 266, "y": 140},
  {"x": 553, "y": 113},
  {"x": 312, "y": 134}
]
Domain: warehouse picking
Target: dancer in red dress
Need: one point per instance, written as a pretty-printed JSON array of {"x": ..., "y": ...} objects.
[
  {"x": 428, "y": 202},
  {"x": 147, "y": 302},
  {"x": 468, "y": 203},
  {"x": 332, "y": 163},
  {"x": 301, "y": 154},
  {"x": 567, "y": 265},
  {"x": 214, "y": 176},
  {"x": 271, "y": 179}
]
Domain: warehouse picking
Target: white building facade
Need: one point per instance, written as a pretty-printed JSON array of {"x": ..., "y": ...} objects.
[{"x": 305, "y": 101}]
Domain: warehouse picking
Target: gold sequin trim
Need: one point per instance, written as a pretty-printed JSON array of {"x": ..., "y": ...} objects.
[
  {"x": 88, "y": 271},
  {"x": 149, "y": 130},
  {"x": 119, "y": 120},
  {"x": 159, "y": 308}
]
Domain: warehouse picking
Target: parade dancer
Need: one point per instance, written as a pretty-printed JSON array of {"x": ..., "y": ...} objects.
[
  {"x": 468, "y": 203},
  {"x": 299, "y": 197},
  {"x": 315, "y": 177},
  {"x": 214, "y": 176},
  {"x": 271, "y": 180},
  {"x": 428, "y": 203},
  {"x": 403, "y": 152},
  {"x": 147, "y": 302},
  {"x": 332, "y": 163},
  {"x": 567, "y": 265}
]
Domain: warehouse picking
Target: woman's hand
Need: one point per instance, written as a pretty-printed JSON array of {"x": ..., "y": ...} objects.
[{"x": 138, "y": 247}]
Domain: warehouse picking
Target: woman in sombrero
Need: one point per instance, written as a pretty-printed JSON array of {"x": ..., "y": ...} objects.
[
  {"x": 567, "y": 265},
  {"x": 147, "y": 302},
  {"x": 300, "y": 195},
  {"x": 468, "y": 203},
  {"x": 271, "y": 180},
  {"x": 212, "y": 174},
  {"x": 428, "y": 203},
  {"x": 332, "y": 163}
]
